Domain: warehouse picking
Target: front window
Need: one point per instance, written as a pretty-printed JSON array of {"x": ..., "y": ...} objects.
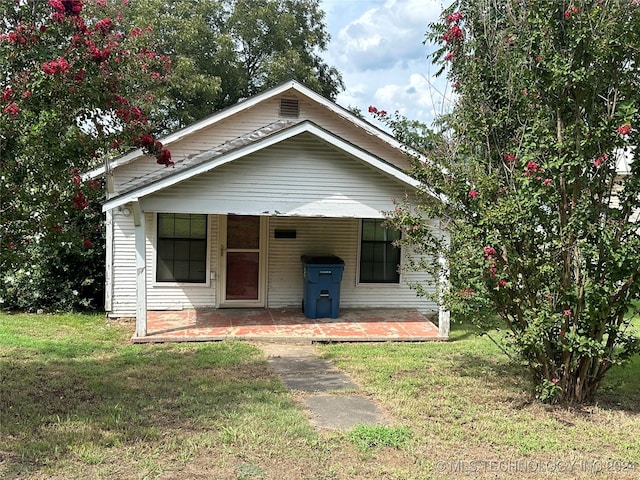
[
  {"x": 379, "y": 258},
  {"x": 182, "y": 248}
]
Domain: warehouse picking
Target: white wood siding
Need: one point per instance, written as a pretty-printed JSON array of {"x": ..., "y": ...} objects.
[
  {"x": 254, "y": 119},
  {"x": 331, "y": 236},
  {"x": 301, "y": 176},
  {"x": 123, "y": 302}
]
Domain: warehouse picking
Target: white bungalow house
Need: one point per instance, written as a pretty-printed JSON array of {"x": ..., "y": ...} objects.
[{"x": 256, "y": 186}]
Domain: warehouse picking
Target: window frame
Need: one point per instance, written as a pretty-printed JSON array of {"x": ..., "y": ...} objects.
[
  {"x": 176, "y": 283},
  {"x": 361, "y": 240}
]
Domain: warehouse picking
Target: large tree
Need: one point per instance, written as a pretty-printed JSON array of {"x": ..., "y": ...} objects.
[
  {"x": 544, "y": 241},
  {"x": 73, "y": 91},
  {"x": 228, "y": 50}
]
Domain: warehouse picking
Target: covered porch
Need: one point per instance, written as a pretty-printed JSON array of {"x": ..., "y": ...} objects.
[{"x": 288, "y": 325}]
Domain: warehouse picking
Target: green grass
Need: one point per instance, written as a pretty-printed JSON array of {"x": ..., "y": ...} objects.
[
  {"x": 465, "y": 401},
  {"x": 368, "y": 437},
  {"x": 77, "y": 400}
]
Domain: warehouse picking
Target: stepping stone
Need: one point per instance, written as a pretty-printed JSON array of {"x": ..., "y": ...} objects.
[
  {"x": 339, "y": 412},
  {"x": 311, "y": 374}
]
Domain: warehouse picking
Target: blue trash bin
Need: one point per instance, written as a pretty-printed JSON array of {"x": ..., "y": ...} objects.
[{"x": 322, "y": 277}]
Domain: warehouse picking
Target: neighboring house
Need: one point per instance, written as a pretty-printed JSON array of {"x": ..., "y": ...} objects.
[
  {"x": 623, "y": 158},
  {"x": 256, "y": 186}
]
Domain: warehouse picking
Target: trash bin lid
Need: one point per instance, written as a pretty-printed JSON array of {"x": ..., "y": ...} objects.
[{"x": 321, "y": 260}]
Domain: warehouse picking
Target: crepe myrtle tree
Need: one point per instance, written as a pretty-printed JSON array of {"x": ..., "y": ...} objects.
[
  {"x": 544, "y": 242},
  {"x": 73, "y": 92}
]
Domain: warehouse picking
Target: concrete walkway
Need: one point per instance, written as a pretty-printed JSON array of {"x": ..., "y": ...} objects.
[{"x": 331, "y": 397}]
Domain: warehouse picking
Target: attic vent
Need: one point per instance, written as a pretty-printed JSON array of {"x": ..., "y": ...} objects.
[{"x": 289, "y": 107}]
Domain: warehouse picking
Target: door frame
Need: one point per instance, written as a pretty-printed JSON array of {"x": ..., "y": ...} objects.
[{"x": 261, "y": 302}]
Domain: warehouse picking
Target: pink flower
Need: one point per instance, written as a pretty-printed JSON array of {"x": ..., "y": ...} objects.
[
  {"x": 87, "y": 243},
  {"x": 509, "y": 157},
  {"x": 73, "y": 7},
  {"x": 454, "y": 34},
  {"x": 164, "y": 158},
  {"x": 145, "y": 140},
  {"x": 56, "y": 66},
  {"x": 75, "y": 176},
  {"x": 600, "y": 160},
  {"x": 502, "y": 282},
  {"x": 65, "y": 7},
  {"x": 467, "y": 292},
  {"x": 454, "y": 17},
  {"x": 473, "y": 194},
  {"x": 12, "y": 109},
  {"x": 570, "y": 11},
  {"x": 7, "y": 94},
  {"x": 449, "y": 56},
  {"x": 546, "y": 181},
  {"x": 531, "y": 167},
  {"x": 567, "y": 313},
  {"x": 105, "y": 25},
  {"x": 554, "y": 380},
  {"x": 624, "y": 129},
  {"x": 373, "y": 109},
  {"x": 79, "y": 201},
  {"x": 489, "y": 252}
]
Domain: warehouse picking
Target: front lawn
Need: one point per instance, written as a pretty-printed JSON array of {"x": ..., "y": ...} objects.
[{"x": 77, "y": 400}]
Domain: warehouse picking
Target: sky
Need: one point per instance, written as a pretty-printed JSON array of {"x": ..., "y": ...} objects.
[{"x": 378, "y": 47}]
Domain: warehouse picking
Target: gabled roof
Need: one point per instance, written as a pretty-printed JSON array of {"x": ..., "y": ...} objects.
[
  {"x": 212, "y": 159},
  {"x": 290, "y": 86}
]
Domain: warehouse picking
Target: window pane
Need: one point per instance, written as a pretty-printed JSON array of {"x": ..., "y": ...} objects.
[
  {"x": 182, "y": 248},
  {"x": 165, "y": 225},
  {"x": 197, "y": 271},
  {"x": 381, "y": 233},
  {"x": 198, "y": 249},
  {"x": 165, "y": 249},
  {"x": 379, "y": 258},
  {"x": 366, "y": 271},
  {"x": 183, "y": 226},
  {"x": 164, "y": 273},
  {"x": 198, "y": 226},
  {"x": 368, "y": 230},
  {"x": 366, "y": 254},
  {"x": 181, "y": 270}
]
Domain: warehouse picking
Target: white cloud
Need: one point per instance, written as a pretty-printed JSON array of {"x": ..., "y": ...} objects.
[
  {"x": 387, "y": 35},
  {"x": 378, "y": 47},
  {"x": 420, "y": 96}
]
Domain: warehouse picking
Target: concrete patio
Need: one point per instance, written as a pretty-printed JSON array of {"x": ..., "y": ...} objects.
[{"x": 288, "y": 325}]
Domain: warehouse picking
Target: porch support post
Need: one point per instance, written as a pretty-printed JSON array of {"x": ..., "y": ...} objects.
[
  {"x": 444, "y": 316},
  {"x": 141, "y": 271}
]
